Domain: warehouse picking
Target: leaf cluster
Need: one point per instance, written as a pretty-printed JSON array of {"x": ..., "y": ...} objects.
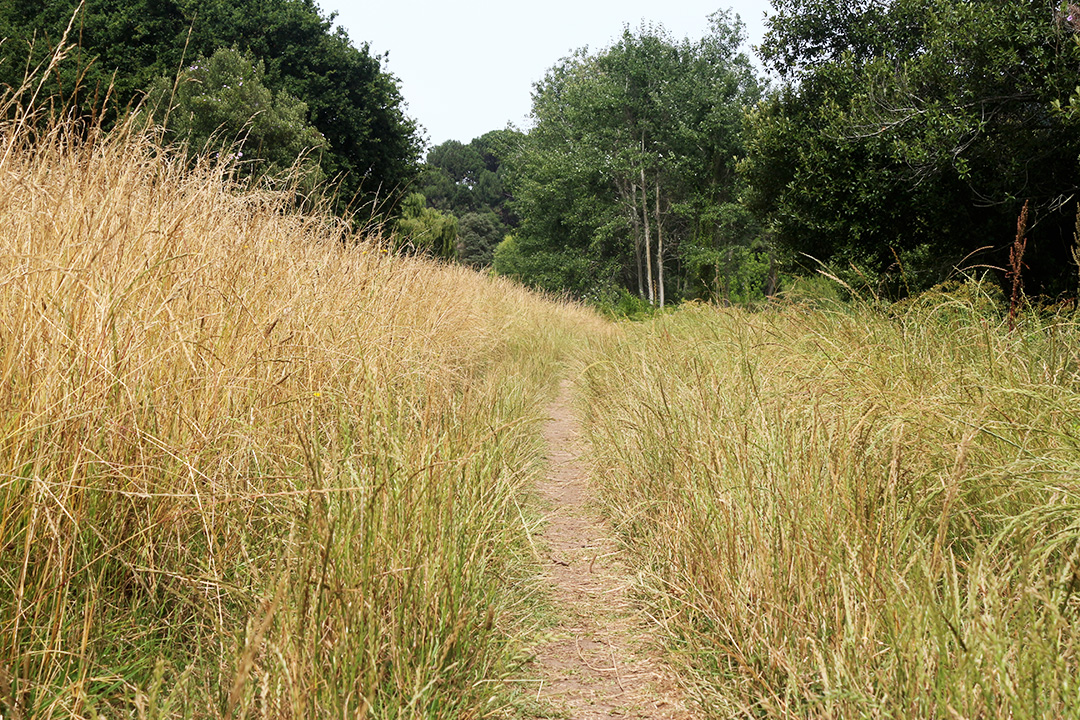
[
  {"x": 469, "y": 182},
  {"x": 221, "y": 104},
  {"x": 425, "y": 230}
]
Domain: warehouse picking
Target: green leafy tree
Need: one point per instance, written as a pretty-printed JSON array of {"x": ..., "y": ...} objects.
[
  {"x": 462, "y": 178},
  {"x": 120, "y": 48},
  {"x": 438, "y": 188},
  {"x": 571, "y": 224},
  {"x": 492, "y": 191},
  {"x": 911, "y": 133},
  {"x": 468, "y": 182},
  {"x": 372, "y": 147},
  {"x": 220, "y": 104},
  {"x": 478, "y": 235},
  {"x": 463, "y": 163},
  {"x": 729, "y": 259},
  {"x": 507, "y": 259},
  {"x": 424, "y": 230},
  {"x": 629, "y": 150}
]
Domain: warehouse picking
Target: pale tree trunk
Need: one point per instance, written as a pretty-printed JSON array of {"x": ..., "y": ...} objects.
[
  {"x": 659, "y": 244},
  {"x": 636, "y": 224},
  {"x": 648, "y": 239}
]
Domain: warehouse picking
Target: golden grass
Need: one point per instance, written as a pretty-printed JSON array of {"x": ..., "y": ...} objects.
[
  {"x": 853, "y": 514},
  {"x": 250, "y": 465},
  {"x": 253, "y": 466}
]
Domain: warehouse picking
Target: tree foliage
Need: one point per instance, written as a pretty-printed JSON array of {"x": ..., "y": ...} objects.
[
  {"x": 631, "y": 150},
  {"x": 478, "y": 234},
  {"x": 911, "y": 132},
  {"x": 424, "y": 230},
  {"x": 221, "y": 104},
  {"x": 372, "y": 147},
  {"x": 468, "y": 181}
]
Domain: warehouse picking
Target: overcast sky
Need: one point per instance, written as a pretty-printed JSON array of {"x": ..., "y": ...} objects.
[{"x": 469, "y": 67}]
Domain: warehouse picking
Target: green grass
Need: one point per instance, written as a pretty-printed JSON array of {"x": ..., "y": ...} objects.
[{"x": 850, "y": 513}]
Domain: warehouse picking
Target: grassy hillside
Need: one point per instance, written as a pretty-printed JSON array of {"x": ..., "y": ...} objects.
[
  {"x": 850, "y": 513},
  {"x": 254, "y": 466},
  {"x": 250, "y": 466}
]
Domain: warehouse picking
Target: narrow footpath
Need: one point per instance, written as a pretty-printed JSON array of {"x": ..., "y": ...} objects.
[{"x": 600, "y": 660}]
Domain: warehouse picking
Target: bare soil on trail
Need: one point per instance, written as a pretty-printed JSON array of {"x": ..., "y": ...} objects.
[{"x": 601, "y": 658}]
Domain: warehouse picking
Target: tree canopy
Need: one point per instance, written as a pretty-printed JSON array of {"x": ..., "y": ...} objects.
[
  {"x": 371, "y": 146},
  {"x": 620, "y": 182},
  {"x": 220, "y": 102},
  {"x": 911, "y": 132},
  {"x": 468, "y": 181},
  {"x": 899, "y": 146}
]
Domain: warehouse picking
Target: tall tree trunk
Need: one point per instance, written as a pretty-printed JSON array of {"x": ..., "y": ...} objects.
[
  {"x": 648, "y": 239},
  {"x": 636, "y": 222},
  {"x": 659, "y": 243}
]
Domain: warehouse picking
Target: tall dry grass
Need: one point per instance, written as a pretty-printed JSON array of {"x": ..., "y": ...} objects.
[
  {"x": 250, "y": 465},
  {"x": 853, "y": 514}
]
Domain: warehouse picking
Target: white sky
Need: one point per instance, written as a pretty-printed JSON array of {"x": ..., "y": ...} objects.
[{"x": 469, "y": 67}]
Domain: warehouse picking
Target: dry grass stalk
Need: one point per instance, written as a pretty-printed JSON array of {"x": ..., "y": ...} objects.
[
  {"x": 1076, "y": 253},
  {"x": 250, "y": 465},
  {"x": 853, "y": 515},
  {"x": 1016, "y": 266}
]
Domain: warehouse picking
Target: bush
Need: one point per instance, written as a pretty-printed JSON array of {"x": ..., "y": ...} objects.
[{"x": 219, "y": 105}]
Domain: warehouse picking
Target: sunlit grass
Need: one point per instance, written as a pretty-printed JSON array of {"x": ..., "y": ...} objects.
[
  {"x": 250, "y": 464},
  {"x": 853, "y": 514}
]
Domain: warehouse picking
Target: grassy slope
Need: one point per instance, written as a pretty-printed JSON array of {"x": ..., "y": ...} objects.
[
  {"x": 249, "y": 469},
  {"x": 848, "y": 514},
  {"x": 249, "y": 466}
]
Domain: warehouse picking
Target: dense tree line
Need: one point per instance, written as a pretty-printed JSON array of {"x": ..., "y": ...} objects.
[
  {"x": 626, "y": 182},
  {"x": 468, "y": 182},
  {"x": 898, "y": 148},
  {"x": 909, "y": 134},
  {"x": 328, "y": 95}
]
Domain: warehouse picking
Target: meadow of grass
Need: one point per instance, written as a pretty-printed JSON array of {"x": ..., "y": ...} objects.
[
  {"x": 853, "y": 512},
  {"x": 251, "y": 465}
]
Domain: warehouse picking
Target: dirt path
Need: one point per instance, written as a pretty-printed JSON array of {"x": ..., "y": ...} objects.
[{"x": 600, "y": 659}]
